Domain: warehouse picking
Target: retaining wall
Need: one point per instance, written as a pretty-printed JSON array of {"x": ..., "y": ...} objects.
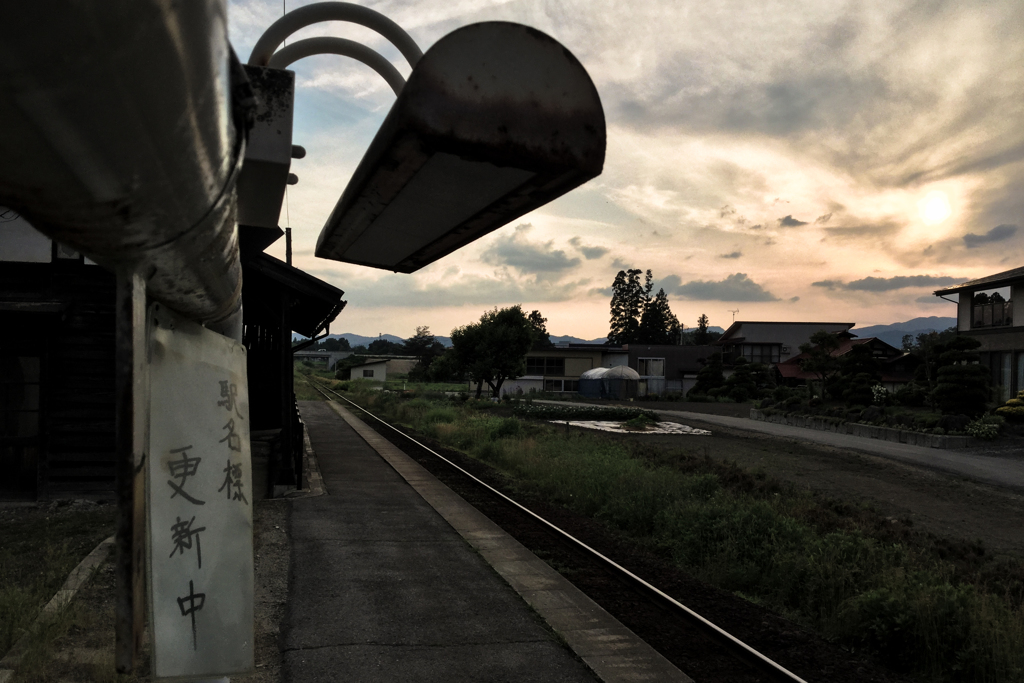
[{"x": 827, "y": 424}]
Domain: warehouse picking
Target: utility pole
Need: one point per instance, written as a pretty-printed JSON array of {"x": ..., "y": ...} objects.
[
  {"x": 288, "y": 246},
  {"x": 734, "y": 312}
]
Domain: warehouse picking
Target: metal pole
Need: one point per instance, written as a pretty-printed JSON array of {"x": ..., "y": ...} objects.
[
  {"x": 288, "y": 246},
  {"x": 131, "y": 398}
]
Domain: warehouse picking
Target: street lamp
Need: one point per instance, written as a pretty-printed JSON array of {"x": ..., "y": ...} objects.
[{"x": 495, "y": 120}]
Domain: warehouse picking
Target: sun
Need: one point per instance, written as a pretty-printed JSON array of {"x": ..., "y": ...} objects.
[{"x": 934, "y": 208}]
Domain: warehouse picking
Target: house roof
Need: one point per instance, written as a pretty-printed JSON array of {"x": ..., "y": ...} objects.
[
  {"x": 791, "y": 368},
  {"x": 987, "y": 282},
  {"x": 728, "y": 335}
]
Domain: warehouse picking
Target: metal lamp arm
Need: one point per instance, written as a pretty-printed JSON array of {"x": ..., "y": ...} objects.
[
  {"x": 302, "y": 17},
  {"x": 338, "y": 46}
]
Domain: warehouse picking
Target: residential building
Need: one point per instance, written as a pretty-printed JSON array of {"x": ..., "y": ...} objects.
[
  {"x": 772, "y": 343},
  {"x": 661, "y": 368},
  {"x": 991, "y": 310},
  {"x": 896, "y": 368},
  {"x": 377, "y": 368}
]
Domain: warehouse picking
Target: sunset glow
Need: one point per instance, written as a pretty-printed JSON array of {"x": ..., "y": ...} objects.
[
  {"x": 934, "y": 207},
  {"x": 786, "y": 160}
]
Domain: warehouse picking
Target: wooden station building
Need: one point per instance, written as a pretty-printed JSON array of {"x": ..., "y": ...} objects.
[{"x": 57, "y": 363}]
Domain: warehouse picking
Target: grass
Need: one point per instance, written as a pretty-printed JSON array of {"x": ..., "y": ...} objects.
[
  {"x": 937, "y": 609},
  {"x": 38, "y": 549}
]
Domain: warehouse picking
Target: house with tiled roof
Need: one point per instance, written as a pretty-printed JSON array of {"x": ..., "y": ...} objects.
[{"x": 896, "y": 367}]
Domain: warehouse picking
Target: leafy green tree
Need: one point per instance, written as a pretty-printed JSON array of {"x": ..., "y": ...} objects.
[
  {"x": 426, "y": 349},
  {"x": 445, "y": 368},
  {"x": 539, "y": 330},
  {"x": 627, "y": 304},
  {"x": 384, "y": 347},
  {"x": 494, "y": 349},
  {"x": 961, "y": 386},
  {"x": 818, "y": 357}
]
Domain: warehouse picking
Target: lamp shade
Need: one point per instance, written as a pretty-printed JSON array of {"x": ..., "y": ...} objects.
[{"x": 495, "y": 120}]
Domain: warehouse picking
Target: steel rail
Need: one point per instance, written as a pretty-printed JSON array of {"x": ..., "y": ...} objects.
[{"x": 734, "y": 644}]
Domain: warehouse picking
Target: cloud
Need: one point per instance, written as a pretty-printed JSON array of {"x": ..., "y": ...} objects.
[
  {"x": 735, "y": 254},
  {"x": 821, "y": 220},
  {"x": 736, "y": 287},
  {"x": 410, "y": 291},
  {"x": 794, "y": 299},
  {"x": 620, "y": 264},
  {"x": 790, "y": 222},
  {"x": 534, "y": 258},
  {"x": 589, "y": 253},
  {"x": 930, "y": 300},
  {"x": 828, "y": 284},
  {"x": 887, "y": 284},
  {"x": 996, "y": 234}
]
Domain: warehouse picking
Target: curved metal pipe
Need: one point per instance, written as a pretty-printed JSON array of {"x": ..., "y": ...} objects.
[
  {"x": 338, "y": 46},
  {"x": 302, "y": 17},
  {"x": 127, "y": 152}
]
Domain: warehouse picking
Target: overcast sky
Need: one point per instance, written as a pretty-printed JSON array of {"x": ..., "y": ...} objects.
[{"x": 793, "y": 160}]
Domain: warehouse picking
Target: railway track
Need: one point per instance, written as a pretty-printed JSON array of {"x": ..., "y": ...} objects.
[{"x": 669, "y": 617}]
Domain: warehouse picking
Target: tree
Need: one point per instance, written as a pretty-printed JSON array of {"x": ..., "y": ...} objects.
[
  {"x": 859, "y": 370},
  {"x": 639, "y": 317},
  {"x": 539, "y": 330},
  {"x": 495, "y": 348},
  {"x": 384, "y": 347},
  {"x": 627, "y": 305},
  {"x": 710, "y": 375},
  {"x": 818, "y": 357},
  {"x": 701, "y": 337},
  {"x": 928, "y": 348},
  {"x": 961, "y": 386},
  {"x": 658, "y": 325},
  {"x": 425, "y": 348}
]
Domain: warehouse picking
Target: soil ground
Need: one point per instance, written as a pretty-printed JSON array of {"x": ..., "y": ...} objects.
[
  {"x": 943, "y": 504},
  {"x": 84, "y": 652}
]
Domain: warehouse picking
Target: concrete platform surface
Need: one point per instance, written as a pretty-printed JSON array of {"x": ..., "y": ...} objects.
[{"x": 395, "y": 577}]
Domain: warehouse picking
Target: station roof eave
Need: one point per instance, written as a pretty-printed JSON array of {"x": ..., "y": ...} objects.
[{"x": 314, "y": 303}]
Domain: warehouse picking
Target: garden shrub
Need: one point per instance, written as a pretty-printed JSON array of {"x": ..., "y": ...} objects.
[
  {"x": 962, "y": 382},
  {"x": 980, "y": 429},
  {"x": 911, "y": 395}
]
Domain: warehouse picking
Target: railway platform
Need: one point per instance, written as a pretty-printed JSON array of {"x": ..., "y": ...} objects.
[{"x": 395, "y": 577}]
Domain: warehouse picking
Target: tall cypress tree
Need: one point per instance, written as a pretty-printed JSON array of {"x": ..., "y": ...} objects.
[
  {"x": 627, "y": 304},
  {"x": 658, "y": 325}
]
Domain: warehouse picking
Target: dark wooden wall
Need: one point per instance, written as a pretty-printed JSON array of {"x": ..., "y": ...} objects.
[{"x": 73, "y": 323}]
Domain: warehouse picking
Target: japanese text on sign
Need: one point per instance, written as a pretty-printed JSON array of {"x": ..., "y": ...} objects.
[{"x": 199, "y": 501}]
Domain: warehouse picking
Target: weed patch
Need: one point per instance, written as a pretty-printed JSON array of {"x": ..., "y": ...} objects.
[{"x": 939, "y": 609}]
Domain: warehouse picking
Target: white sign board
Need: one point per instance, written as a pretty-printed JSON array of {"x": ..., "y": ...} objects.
[{"x": 199, "y": 501}]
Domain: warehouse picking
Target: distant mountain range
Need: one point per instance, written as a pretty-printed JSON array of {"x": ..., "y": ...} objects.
[
  {"x": 359, "y": 340},
  {"x": 893, "y": 334},
  {"x": 355, "y": 340}
]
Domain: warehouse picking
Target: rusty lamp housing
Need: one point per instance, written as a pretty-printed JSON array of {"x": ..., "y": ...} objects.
[{"x": 495, "y": 120}]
